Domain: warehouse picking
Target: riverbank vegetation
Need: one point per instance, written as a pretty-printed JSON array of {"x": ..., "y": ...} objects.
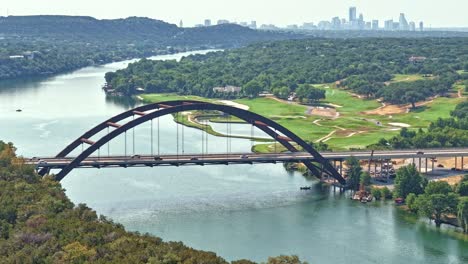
[
  {"x": 39, "y": 224},
  {"x": 436, "y": 200},
  {"x": 45, "y": 45}
]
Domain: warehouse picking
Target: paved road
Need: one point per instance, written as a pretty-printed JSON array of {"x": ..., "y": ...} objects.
[{"x": 239, "y": 158}]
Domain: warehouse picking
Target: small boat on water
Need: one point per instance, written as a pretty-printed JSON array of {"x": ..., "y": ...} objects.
[
  {"x": 305, "y": 188},
  {"x": 19, "y": 110}
]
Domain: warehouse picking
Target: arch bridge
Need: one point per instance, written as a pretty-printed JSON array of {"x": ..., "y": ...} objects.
[{"x": 118, "y": 125}]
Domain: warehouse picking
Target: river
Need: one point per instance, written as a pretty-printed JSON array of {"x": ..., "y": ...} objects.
[{"x": 238, "y": 212}]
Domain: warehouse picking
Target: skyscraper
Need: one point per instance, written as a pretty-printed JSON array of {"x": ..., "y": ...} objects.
[
  {"x": 421, "y": 26},
  {"x": 181, "y": 24},
  {"x": 403, "y": 24},
  {"x": 375, "y": 24},
  {"x": 352, "y": 14},
  {"x": 207, "y": 22},
  {"x": 389, "y": 24},
  {"x": 412, "y": 26}
]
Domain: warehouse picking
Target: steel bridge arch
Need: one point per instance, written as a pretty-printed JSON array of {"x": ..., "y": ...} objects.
[{"x": 172, "y": 107}]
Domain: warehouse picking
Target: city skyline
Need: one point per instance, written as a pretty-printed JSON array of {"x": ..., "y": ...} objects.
[
  {"x": 353, "y": 22},
  {"x": 449, "y": 13}
]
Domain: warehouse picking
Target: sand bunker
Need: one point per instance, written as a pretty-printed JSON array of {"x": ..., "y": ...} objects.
[
  {"x": 399, "y": 124},
  {"x": 323, "y": 111},
  {"x": 234, "y": 104}
]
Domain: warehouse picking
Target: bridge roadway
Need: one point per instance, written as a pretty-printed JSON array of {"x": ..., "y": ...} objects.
[{"x": 238, "y": 158}]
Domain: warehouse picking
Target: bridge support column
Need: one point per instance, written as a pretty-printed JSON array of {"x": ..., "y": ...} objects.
[
  {"x": 432, "y": 172},
  {"x": 456, "y": 162},
  {"x": 341, "y": 167},
  {"x": 462, "y": 164},
  {"x": 419, "y": 165},
  {"x": 375, "y": 168},
  {"x": 426, "y": 166}
]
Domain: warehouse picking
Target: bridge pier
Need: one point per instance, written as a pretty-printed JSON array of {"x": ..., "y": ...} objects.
[
  {"x": 426, "y": 166},
  {"x": 419, "y": 165},
  {"x": 432, "y": 172}
]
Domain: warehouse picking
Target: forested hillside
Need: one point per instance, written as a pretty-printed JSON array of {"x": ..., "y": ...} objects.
[
  {"x": 44, "y": 45},
  {"x": 364, "y": 66},
  {"x": 39, "y": 224}
]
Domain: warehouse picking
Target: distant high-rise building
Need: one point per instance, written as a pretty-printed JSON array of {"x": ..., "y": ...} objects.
[
  {"x": 403, "y": 24},
  {"x": 207, "y": 22},
  {"x": 308, "y": 26},
  {"x": 375, "y": 24},
  {"x": 412, "y": 26},
  {"x": 352, "y": 14},
  {"x": 368, "y": 26},
  {"x": 421, "y": 26},
  {"x": 253, "y": 25},
  {"x": 324, "y": 25},
  {"x": 389, "y": 25},
  {"x": 223, "y": 21},
  {"x": 181, "y": 24},
  {"x": 336, "y": 23}
]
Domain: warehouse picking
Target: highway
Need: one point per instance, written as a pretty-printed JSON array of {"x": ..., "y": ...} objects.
[{"x": 237, "y": 158}]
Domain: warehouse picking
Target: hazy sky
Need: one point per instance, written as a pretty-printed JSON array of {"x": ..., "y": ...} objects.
[{"x": 438, "y": 13}]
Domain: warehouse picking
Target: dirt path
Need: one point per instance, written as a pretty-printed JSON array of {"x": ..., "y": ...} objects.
[
  {"x": 316, "y": 122},
  {"x": 460, "y": 93},
  {"x": 391, "y": 109},
  {"x": 355, "y": 133},
  {"x": 234, "y": 104},
  {"x": 319, "y": 111},
  {"x": 326, "y": 138}
]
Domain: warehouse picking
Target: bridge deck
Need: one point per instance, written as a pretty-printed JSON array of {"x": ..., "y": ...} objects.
[{"x": 237, "y": 158}]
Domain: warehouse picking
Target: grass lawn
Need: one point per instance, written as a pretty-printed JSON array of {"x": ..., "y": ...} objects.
[
  {"x": 408, "y": 77},
  {"x": 272, "y": 108},
  {"x": 348, "y": 103},
  {"x": 352, "y": 129}
]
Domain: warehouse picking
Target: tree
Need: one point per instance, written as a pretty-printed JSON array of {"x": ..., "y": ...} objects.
[
  {"x": 411, "y": 202},
  {"x": 285, "y": 260},
  {"x": 462, "y": 213},
  {"x": 252, "y": 88},
  {"x": 308, "y": 93},
  {"x": 462, "y": 187},
  {"x": 354, "y": 172},
  {"x": 376, "y": 193},
  {"x": 365, "y": 179},
  {"x": 436, "y": 205},
  {"x": 408, "y": 180},
  {"x": 109, "y": 76},
  {"x": 386, "y": 193},
  {"x": 438, "y": 187},
  {"x": 282, "y": 92},
  {"x": 413, "y": 97}
]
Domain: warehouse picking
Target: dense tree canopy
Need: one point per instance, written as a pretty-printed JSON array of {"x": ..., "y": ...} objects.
[
  {"x": 39, "y": 224},
  {"x": 362, "y": 65},
  {"x": 44, "y": 45},
  {"x": 408, "y": 180}
]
